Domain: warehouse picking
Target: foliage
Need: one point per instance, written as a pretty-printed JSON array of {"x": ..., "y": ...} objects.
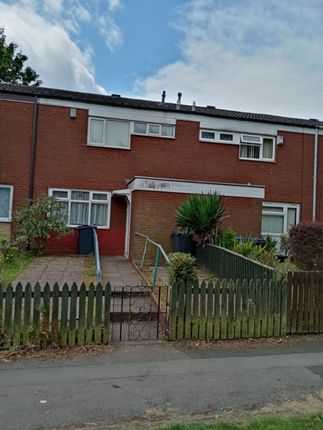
[
  {"x": 12, "y": 261},
  {"x": 249, "y": 249},
  {"x": 268, "y": 257},
  {"x": 285, "y": 245},
  {"x": 227, "y": 239},
  {"x": 201, "y": 214},
  {"x": 281, "y": 269},
  {"x": 12, "y": 70},
  {"x": 270, "y": 244},
  {"x": 37, "y": 221},
  {"x": 306, "y": 245},
  {"x": 182, "y": 267}
]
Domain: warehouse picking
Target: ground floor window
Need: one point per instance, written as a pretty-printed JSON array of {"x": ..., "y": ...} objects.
[
  {"x": 277, "y": 218},
  {"x": 6, "y": 195},
  {"x": 81, "y": 207}
]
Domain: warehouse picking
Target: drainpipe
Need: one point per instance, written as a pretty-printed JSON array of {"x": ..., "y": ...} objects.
[
  {"x": 316, "y": 138},
  {"x": 33, "y": 150}
]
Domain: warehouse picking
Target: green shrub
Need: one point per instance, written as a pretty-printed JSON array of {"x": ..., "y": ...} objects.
[
  {"x": 281, "y": 269},
  {"x": 227, "y": 239},
  {"x": 182, "y": 267},
  {"x": 306, "y": 245},
  {"x": 37, "y": 220},
  {"x": 270, "y": 244},
  {"x": 268, "y": 257},
  {"x": 200, "y": 214},
  {"x": 285, "y": 245},
  {"x": 249, "y": 249}
]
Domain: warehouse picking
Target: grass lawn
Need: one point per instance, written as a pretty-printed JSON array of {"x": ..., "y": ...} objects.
[
  {"x": 89, "y": 272},
  {"x": 301, "y": 422},
  {"x": 13, "y": 269}
]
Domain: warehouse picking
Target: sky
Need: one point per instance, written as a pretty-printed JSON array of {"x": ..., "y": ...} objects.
[{"x": 249, "y": 55}]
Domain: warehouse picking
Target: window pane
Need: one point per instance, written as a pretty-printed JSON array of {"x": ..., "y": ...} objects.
[
  {"x": 226, "y": 136},
  {"x": 80, "y": 195},
  {"x": 140, "y": 127},
  {"x": 99, "y": 196},
  {"x": 97, "y": 131},
  {"x": 273, "y": 209},
  {"x": 167, "y": 130},
  {"x": 272, "y": 224},
  {"x": 267, "y": 150},
  {"x": 250, "y": 151},
  {"x": 60, "y": 194},
  {"x": 63, "y": 210},
  {"x": 208, "y": 135},
  {"x": 99, "y": 214},
  {"x": 118, "y": 134},
  {"x": 154, "y": 129},
  {"x": 79, "y": 213},
  {"x": 4, "y": 202},
  {"x": 251, "y": 138},
  {"x": 291, "y": 217}
]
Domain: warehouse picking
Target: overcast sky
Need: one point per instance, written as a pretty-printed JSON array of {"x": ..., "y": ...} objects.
[{"x": 250, "y": 55}]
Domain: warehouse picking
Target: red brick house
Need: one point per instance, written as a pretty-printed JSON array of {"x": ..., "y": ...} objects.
[{"x": 126, "y": 164}]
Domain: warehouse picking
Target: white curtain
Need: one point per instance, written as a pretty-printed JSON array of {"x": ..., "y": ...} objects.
[
  {"x": 79, "y": 213},
  {"x": 99, "y": 214},
  {"x": 4, "y": 202},
  {"x": 267, "y": 149},
  {"x": 291, "y": 217},
  {"x": 118, "y": 133},
  {"x": 272, "y": 224},
  {"x": 97, "y": 131},
  {"x": 249, "y": 151}
]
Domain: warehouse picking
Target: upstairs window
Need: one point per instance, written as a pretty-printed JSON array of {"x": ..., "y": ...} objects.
[
  {"x": 219, "y": 136},
  {"x": 109, "y": 133},
  {"x": 6, "y": 194},
  {"x": 80, "y": 207},
  {"x": 151, "y": 129},
  {"x": 254, "y": 147}
]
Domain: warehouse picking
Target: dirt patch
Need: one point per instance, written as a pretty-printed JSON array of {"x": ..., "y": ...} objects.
[
  {"x": 34, "y": 353},
  {"x": 237, "y": 345}
]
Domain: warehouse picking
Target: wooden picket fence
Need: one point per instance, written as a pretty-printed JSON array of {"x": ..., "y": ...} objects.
[
  {"x": 57, "y": 316},
  {"x": 305, "y": 302},
  {"x": 228, "y": 310},
  {"x": 226, "y": 264}
]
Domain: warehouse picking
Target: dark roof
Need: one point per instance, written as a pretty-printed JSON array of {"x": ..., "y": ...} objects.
[{"x": 124, "y": 102}]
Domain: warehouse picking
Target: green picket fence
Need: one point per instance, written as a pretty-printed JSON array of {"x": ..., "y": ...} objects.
[
  {"x": 226, "y": 264},
  {"x": 228, "y": 310},
  {"x": 66, "y": 316}
]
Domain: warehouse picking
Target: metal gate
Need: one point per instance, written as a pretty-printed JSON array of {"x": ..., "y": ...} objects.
[{"x": 139, "y": 313}]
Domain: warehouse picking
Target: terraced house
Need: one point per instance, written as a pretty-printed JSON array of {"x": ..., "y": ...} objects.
[{"x": 125, "y": 165}]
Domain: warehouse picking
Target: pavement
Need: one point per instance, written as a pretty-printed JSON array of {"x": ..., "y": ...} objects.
[
  {"x": 154, "y": 382},
  {"x": 119, "y": 272}
]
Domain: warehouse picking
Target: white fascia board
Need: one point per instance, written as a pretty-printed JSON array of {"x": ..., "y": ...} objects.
[
  {"x": 160, "y": 117},
  {"x": 189, "y": 187}
]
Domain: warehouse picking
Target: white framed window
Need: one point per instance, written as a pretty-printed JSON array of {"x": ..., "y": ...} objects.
[
  {"x": 6, "y": 198},
  {"x": 219, "y": 136},
  {"x": 109, "y": 133},
  {"x": 260, "y": 148},
  {"x": 277, "y": 218},
  {"x": 81, "y": 207},
  {"x": 152, "y": 129}
]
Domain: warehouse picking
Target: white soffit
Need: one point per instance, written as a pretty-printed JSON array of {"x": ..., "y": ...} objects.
[{"x": 189, "y": 187}]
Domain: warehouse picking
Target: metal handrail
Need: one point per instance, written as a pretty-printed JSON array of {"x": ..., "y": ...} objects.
[
  {"x": 159, "y": 249},
  {"x": 97, "y": 256}
]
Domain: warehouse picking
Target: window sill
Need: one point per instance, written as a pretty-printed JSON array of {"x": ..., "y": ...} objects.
[
  {"x": 154, "y": 135},
  {"x": 98, "y": 227},
  {"x": 259, "y": 160},
  {"x": 6, "y": 220},
  {"x": 219, "y": 142},
  {"x": 108, "y": 147}
]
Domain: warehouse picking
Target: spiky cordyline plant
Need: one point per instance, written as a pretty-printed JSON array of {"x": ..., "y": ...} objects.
[{"x": 200, "y": 214}]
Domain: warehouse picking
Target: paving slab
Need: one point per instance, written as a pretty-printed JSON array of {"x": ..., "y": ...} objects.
[
  {"x": 119, "y": 272},
  {"x": 52, "y": 269}
]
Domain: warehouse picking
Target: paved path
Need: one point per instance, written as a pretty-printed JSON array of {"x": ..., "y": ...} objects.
[
  {"x": 155, "y": 381},
  {"x": 119, "y": 272},
  {"x": 53, "y": 269}
]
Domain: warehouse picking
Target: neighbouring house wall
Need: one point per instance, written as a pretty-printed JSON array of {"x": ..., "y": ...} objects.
[{"x": 153, "y": 214}]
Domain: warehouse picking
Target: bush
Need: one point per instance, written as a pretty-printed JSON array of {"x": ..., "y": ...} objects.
[
  {"x": 227, "y": 239},
  {"x": 37, "y": 220},
  {"x": 281, "y": 269},
  {"x": 249, "y": 249},
  {"x": 306, "y": 245},
  {"x": 182, "y": 267}
]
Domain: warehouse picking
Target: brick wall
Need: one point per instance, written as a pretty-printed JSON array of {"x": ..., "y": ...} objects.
[{"x": 153, "y": 214}]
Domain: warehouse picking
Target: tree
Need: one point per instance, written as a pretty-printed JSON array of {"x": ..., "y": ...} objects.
[
  {"x": 200, "y": 214},
  {"x": 12, "y": 69},
  {"x": 37, "y": 221}
]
